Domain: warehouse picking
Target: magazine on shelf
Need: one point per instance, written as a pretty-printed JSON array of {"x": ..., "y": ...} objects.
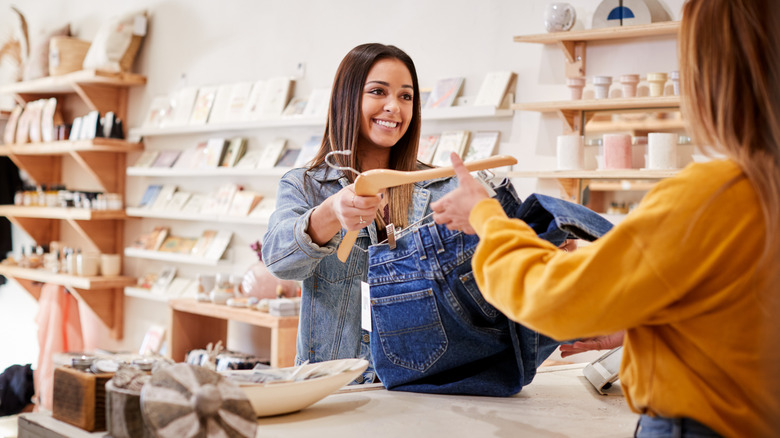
[
  {"x": 194, "y": 204},
  {"x": 239, "y": 97},
  {"x": 178, "y": 200},
  {"x": 450, "y": 141},
  {"x": 190, "y": 158},
  {"x": 218, "y": 246},
  {"x": 272, "y": 101},
  {"x": 146, "y": 158},
  {"x": 203, "y": 104},
  {"x": 215, "y": 152},
  {"x": 243, "y": 202},
  {"x": 159, "y": 111},
  {"x": 164, "y": 197},
  {"x": 296, "y": 107},
  {"x": 182, "y": 103},
  {"x": 166, "y": 158},
  {"x": 444, "y": 92},
  {"x": 150, "y": 195},
  {"x": 427, "y": 147},
  {"x": 164, "y": 279},
  {"x": 253, "y": 101},
  {"x": 235, "y": 150},
  {"x": 425, "y": 93},
  {"x": 483, "y": 145},
  {"x": 264, "y": 208},
  {"x": 308, "y": 151},
  {"x": 219, "y": 110},
  {"x": 288, "y": 158},
  {"x": 174, "y": 244},
  {"x": 317, "y": 103},
  {"x": 203, "y": 243},
  {"x": 270, "y": 153},
  {"x": 250, "y": 160},
  {"x": 219, "y": 201},
  {"x": 494, "y": 88},
  {"x": 152, "y": 240}
]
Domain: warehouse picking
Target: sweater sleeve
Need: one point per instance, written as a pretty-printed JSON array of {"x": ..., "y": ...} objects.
[{"x": 598, "y": 289}]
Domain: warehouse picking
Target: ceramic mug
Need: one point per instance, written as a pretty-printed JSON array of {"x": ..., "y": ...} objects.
[
  {"x": 110, "y": 264},
  {"x": 559, "y": 17}
]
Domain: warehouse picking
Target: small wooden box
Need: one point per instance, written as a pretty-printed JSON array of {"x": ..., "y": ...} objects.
[
  {"x": 66, "y": 54},
  {"x": 80, "y": 398}
]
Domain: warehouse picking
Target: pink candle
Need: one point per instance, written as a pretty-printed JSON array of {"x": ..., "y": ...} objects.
[{"x": 617, "y": 151}]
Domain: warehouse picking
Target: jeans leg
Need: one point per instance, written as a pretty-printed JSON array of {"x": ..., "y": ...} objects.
[{"x": 662, "y": 427}]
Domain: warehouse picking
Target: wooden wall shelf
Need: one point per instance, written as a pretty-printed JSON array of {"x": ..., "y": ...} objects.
[
  {"x": 195, "y": 324},
  {"x": 179, "y": 216},
  {"x": 166, "y": 172}
]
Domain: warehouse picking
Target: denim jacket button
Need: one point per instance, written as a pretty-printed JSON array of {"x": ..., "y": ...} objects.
[{"x": 366, "y": 337}]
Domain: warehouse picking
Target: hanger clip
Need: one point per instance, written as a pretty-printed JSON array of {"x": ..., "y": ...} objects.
[
  {"x": 390, "y": 235},
  {"x": 484, "y": 177}
]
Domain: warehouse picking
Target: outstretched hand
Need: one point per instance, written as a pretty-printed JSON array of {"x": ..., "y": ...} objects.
[
  {"x": 607, "y": 342},
  {"x": 454, "y": 208}
]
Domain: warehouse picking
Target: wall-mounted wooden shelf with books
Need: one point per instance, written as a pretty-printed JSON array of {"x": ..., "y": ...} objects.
[
  {"x": 173, "y": 257},
  {"x": 183, "y": 216},
  {"x": 573, "y": 42},
  {"x": 99, "y": 293},
  {"x": 576, "y": 113},
  {"x": 195, "y": 324}
]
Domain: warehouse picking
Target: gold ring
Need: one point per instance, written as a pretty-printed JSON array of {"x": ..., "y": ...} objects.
[{"x": 361, "y": 220}]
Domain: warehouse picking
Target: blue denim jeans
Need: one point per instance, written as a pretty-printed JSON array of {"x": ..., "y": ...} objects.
[
  {"x": 433, "y": 332},
  {"x": 662, "y": 427}
]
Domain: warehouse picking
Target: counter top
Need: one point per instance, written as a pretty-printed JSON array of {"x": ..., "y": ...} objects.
[{"x": 558, "y": 403}]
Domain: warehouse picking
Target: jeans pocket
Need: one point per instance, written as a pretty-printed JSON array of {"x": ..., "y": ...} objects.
[
  {"x": 470, "y": 285},
  {"x": 410, "y": 329}
]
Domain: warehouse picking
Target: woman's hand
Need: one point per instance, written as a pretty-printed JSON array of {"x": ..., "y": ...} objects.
[
  {"x": 354, "y": 212},
  {"x": 607, "y": 342},
  {"x": 454, "y": 208}
]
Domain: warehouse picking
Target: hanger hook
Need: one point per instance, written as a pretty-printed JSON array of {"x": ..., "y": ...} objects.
[{"x": 336, "y": 166}]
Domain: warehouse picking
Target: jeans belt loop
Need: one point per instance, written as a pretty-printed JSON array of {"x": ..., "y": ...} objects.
[
  {"x": 418, "y": 242},
  {"x": 437, "y": 243}
]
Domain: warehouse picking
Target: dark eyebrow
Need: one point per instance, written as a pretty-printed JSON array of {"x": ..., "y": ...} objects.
[{"x": 387, "y": 84}]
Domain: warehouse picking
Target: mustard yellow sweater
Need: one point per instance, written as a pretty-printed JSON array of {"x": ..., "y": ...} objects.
[{"x": 679, "y": 274}]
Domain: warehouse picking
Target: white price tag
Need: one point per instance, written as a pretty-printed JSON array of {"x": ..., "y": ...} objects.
[{"x": 365, "y": 306}]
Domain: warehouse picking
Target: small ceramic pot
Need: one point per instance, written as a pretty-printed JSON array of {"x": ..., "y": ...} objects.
[
  {"x": 657, "y": 82},
  {"x": 629, "y": 83},
  {"x": 575, "y": 85},
  {"x": 601, "y": 86},
  {"x": 675, "y": 78}
]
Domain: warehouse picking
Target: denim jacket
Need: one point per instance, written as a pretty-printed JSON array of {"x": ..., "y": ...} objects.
[{"x": 329, "y": 326}]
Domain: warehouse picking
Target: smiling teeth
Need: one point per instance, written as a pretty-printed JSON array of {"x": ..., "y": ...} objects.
[{"x": 387, "y": 124}]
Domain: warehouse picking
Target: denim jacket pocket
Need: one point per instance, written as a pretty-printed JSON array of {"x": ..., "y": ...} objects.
[{"x": 410, "y": 329}]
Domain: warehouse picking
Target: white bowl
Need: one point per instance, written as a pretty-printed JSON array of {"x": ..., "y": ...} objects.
[{"x": 285, "y": 397}]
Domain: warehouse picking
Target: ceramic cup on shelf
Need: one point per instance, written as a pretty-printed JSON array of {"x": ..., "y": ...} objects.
[
  {"x": 601, "y": 86},
  {"x": 575, "y": 85},
  {"x": 675, "y": 78},
  {"x": 617, "y": 151},
  {"x": 662, "y": 150},
  {"x": 110, "y": 264},
  {"x": 657, "y": 82},
  {"x": 629, "y": 83},
  {"x": 559, "y": 17},
  {"x": 88, "y": 264},
  {"x": 570, "y": 152}
]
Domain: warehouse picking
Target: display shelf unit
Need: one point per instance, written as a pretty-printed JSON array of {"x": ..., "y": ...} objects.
[
  {"x": 450, "y": 113},
  {"x": 145, "y": 294},
  {"x": 195, "y": 324},
  {"x": 175, "y": 215},
  {"x": 172, "y": 257},
  {"x": 638, "y": 126},
  {"x": 573, "y": 43},
  {"x": 103, "y": 159},
  {"x": 274, "y": 172}
]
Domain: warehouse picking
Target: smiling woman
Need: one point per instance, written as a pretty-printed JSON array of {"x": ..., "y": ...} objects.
[{"x": 374, "y": 118}]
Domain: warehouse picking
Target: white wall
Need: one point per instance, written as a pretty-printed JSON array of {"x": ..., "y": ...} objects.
[{"x": 200, "y": 42}]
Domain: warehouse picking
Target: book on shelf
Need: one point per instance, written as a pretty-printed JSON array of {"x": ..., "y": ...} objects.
[
  {"x": 50, "y": 119},
  {"x": 203, "y": 104},
  {"x": 23, "y": 125},
  {"x": 194, "y": 204},
  {"x": 450, "y": 141},
  {"x": 146, "y": 158},
  {"x": 276, "y": 94},
  {"x": 150, "y": 195},
  {"x": 264, "y": 208},
  {"x": 427, "y": 147},
  {"x": 182, "y": 103},
  {"x": 270, "y": 153},
  {"x": 252, "y": 105},
  {"x": 288, "y": 158},
  {"x": 36, "y": 109},
  {"x": 494, "y": 89},
  {"x": 239, "y": 96},
  {"x": 483, "y": 144},
  {"x": 308, "y": 151},
  {"x": 444, "y": 92},
  {"x": 178, "y": 244},
  {"x": 203, "y": 243},
  {"x": 235, "y": 150},
  {"x": 153, "y": 341},
  {"x": 243, "y": 202},
  {"x": 164, "y": 278},
  {"x": 179, "y": 286},
  {"x": 295, "y": 107},
  {"x": 9, "y": 135},
  {"x": 218, "y": 246},
  {"x": 191, "y": 157},
  {"x": 166, "y": 158},
  {"x": 178, "y": 200},
  {"x": 75, "y": 128},
  {"x": 250, "y": 159},
  {"x": 219, "y": 201},
  {"x": 152, "y": 240},
  {"x": 164, "y": 197},
  {"x": 219, "y": 110},
  {"x": 158, "y": 113},
  {"x": 90, "y": 125},
  {"x": 215, "y": 152},
  {"x": 317, "y": 103},
  {"x": 425, "y": 93}
]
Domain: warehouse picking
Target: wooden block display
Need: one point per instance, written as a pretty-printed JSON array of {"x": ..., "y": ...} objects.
[{"x": 80, "y": 398}]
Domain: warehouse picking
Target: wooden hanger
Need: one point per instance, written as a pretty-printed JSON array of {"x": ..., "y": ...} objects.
[{"x": 369, "y": 183}]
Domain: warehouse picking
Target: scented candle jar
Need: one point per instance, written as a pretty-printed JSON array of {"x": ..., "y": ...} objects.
[
  {"x": 570, "y": 152},
  {"x": 617, "y": 151}
]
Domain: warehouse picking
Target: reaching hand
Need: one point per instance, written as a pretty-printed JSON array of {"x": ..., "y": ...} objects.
[
  {"x": 454, "y": 208},
  {"x": 352, "y": 211},
  {"x": 607, "y": 342}
]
